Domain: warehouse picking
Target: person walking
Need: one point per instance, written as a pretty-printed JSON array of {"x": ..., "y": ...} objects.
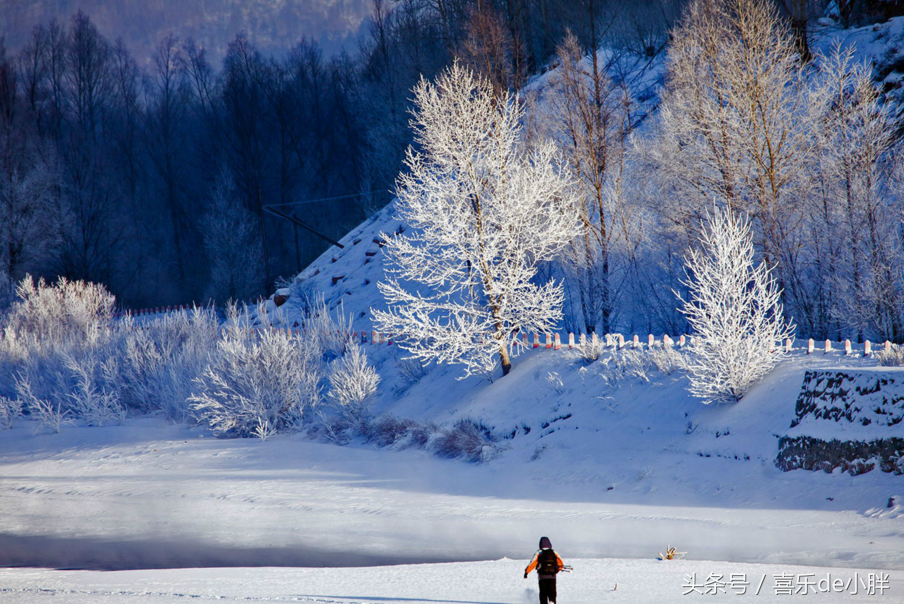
[{"x": 548, "y": 564}]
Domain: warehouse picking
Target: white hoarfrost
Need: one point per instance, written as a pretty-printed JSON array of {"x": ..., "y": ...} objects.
[
  {"x": 484, "y": 212},
  {"x": 258, "y": 381},
  {"x": 734, "y": 308},
  {"x": 353, "y": 381}
]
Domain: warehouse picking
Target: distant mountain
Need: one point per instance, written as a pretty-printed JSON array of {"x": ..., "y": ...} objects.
[{"x": 274, "y": 25}]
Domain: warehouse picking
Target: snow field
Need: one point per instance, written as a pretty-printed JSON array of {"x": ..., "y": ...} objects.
[{"x": 491, "y": 582}]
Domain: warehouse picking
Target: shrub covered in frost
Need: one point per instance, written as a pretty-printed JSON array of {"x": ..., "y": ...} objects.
[
  {"x": 58, "y": 341},
  {"x": 10, "y": 410},
  {"x": 159, "y": 362},
  {"x": 894, "y": 357},
  {"x": 353, "y": 381},
  {"x": 258, "y": 378}
]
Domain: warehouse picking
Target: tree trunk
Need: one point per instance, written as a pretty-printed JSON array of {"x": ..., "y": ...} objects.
[{"x": 504, "y": 359}]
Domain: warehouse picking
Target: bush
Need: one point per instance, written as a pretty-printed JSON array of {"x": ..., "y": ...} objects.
[
  {"x": 159, "y": 361},
  {"x": 59, "y": 341},
  {"x": 591, "y": 349},
  {"x": 894, "y": 357},
  {"x": 389, "y": 430},
  {"x": 466, "y": 439},
  {"x": 10, "y": 410},
  {"x": 353, "y": 382},
  {"x": 635, "y": 364},
  {"x": 411, "y": 370},
  {"x": 258, "y": 376}
]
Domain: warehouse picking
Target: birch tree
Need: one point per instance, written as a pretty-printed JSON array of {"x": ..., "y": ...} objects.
[
  {"x": 735, "y": 310},
  {"x": 483, "y": 213}
]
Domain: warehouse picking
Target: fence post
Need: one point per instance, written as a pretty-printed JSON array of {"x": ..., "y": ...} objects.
[
  {"x": 636, "y": 341},
  {"x": 847, "y": 347},
  {"x": 788, "y": 344},
  {"x": 811, "y": 345},
  {"x": 558, "y": 343},
  {"x": 536, "y": 340},
  {"x": 867, "y": 348},
  {"x": 583, "y": 340},
  {"x": 650, "y": 340},
  {"x": 548, "y": 341},
  {"x": 595, "y": 340},
  {"x": 667, "y": 342},
  {"x": 682, "y": 340},
  {"x": 828, "y": 346},
  {"x": 373, "y": 337},
  {"x": 887, "y": 347},
  {"x": 570, "y": 341},
  {"x": 621, "y": 341}
]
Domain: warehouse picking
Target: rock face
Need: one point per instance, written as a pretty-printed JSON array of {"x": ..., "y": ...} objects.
[{"x": 852, "y": 420}]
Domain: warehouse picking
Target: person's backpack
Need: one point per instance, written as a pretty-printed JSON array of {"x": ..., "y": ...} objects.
[{"x": 547, "y": 562}]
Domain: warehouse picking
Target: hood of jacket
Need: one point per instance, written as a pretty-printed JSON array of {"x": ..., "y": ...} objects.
[{"x": 545, "y": 543}]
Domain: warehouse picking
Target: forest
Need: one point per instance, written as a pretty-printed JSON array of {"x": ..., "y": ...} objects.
[{"x": 180, "y": 181}]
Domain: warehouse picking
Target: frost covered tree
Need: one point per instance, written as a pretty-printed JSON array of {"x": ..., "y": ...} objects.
[
  {"x": 484, "y": 212},
  {"x": 735, "y": 310}
]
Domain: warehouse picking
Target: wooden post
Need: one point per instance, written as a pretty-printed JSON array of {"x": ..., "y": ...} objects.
[
  {"x": 558, "y": 343},
  {"x": 810, "y": 346},
  {"x": 548, "y": 341},
  {"x": 828, "y": 346},
  {"x": 636, "y": 341},
  {"x": 621, "y": 341},
  {"x": 788, "y": 344},
  {"x": 374, "y": 338},
  {"x": 536, "y": 340},
  {"x": 682, "y": 340},
  {"x": 570, "y": 341},
  {"x": 847, "y": 347},
  {"x": 524, "y": 339},
  {"x": 867, "y": 348},
  {"x": 887, "y": 347},
  {"x": 650, "y": 340}
]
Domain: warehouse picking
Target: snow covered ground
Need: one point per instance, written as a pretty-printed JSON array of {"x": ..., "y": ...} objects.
[
  {"x": 612, "y": 472},
  {"x": 491, "y": 582}
]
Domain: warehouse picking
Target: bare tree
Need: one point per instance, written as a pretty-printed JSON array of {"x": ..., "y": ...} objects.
[{"x": 590, "y": 117}]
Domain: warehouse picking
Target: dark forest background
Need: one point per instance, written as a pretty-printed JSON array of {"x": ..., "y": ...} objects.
[{"x": 153, "y": 178}]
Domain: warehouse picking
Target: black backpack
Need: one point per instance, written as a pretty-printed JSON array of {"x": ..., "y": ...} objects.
[{"x": 547, "y": 562}]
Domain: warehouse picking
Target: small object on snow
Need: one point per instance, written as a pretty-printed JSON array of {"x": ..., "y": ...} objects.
[
  {"x": 338, "y": 278},
  {"x": 671, "y": 554},
  {"x": 356, "y": 242},
  {"x": 891, "y": 502},
  {"x": 830, "y": 499},
  {"x": 280, "y": 299},
  {"x": 379, "y": 241},
  {"x": 615, "y": 588},
  {"x": 370, "y": 253}
]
